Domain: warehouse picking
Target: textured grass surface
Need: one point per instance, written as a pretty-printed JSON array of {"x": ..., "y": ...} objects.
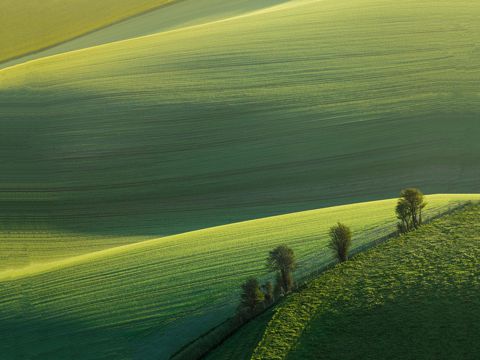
[
  {"x": 183, "y": 13},
  {"x": 415, "y": 297},
  {"x": 300, "y": 106},
  {"x": 33, "y": 247},
  {"x": 241, "y": 344},
  {"x": 145, "y": 300},
  {"x": 296, "y": 107},
  {"x": 33, "y": 25}
]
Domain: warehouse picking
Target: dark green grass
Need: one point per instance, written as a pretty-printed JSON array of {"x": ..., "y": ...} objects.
[
  {"x": 415, "y": 297},
  {"x": 241, "y": 344},
  {"x": 146, "y": 300},
  {"x": 331, "y": 102}
]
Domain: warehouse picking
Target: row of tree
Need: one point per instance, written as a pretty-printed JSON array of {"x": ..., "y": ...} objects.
[
  {"x": 256, "y": 296},
  {"x": 281, "y": 260}
]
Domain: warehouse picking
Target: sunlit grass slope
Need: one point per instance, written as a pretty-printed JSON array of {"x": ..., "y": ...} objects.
[
  {"x": 300, "y": 106},
  {"x": 415, "y": 297},
  {"x": 145, "y": 300},
  {"x": 179, "y": 14},
  {"x": 28, "y": 245},
  {"x": 28, "y": 25}
]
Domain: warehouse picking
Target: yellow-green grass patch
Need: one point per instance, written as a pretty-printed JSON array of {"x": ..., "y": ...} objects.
[
  {"x": 34, "y": 25},
  {"x": 151, "y": 297}
]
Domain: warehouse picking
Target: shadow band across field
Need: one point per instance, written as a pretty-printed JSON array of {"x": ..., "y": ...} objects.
[
  {"x": 31, "y": 338},
  {"x": 151, "y": 176},
  {"x": 279, "y": 112},
  {"x": 333, "y": 102}
]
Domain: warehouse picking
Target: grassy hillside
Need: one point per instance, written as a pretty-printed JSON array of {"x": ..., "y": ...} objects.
[
  {"x": 147, "y": 299},
  {"x": 180, "y": 14},
  {"x": 33, "y": 25},
  {"x": 415, "y": 297},
  {"x": 300, "y": 106},
  {"x": 242, "y": 343}
]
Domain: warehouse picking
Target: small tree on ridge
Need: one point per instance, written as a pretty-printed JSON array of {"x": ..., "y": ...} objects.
[
  {"x": 251, "y": 295},
  {"x": 340, "y": 241},
  {"x": 409, "y": 209},
  {"x": 268, "y": 292},
  {"x": 403, "y": 214},
  {"x": 282, "y": 259}
]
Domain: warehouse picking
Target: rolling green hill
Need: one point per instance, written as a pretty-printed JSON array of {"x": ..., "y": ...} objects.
[
  {"x": 34, "y": 25},
  {"x": 298, "y": 106},
  {"x": 180, "y": 13},
  {"x": 108, "y": 152},
  {"x": 147, "y": 299},
  {"x": 414, "y": 297}
]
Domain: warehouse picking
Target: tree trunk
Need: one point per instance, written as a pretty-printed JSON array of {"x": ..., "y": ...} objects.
[
  {"x": 285, "y": 280},
  {"x": 414, "y": 219}
]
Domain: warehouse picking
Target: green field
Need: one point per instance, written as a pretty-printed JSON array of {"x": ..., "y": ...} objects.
[
  {"x": 242, "y": 343},
  {"x": 164, "y": 18},
  {"x": 145, "y": 168},
  {"x": 414, "y": 297},
  {"x": 29, "y": 26},
  {"x": 298, "y": 106},
  {"x": 147, "y": 299}
]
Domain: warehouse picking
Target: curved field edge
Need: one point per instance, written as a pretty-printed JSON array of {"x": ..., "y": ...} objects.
[
  {"x": 437, "y": 204},
  {"x": 151, "y": 37},
  {"x": 152, "y": 298},
  {"x": 182, "y": 13},
  {"x": 268, "y": 114},
  {"x": 146, "y": 169},
  {"x": 383, "y": 298},
  {"x": 34, "y": 26}
]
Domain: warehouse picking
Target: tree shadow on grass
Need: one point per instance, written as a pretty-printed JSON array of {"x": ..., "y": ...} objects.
[
  {"x": 241, "y": 344},
  {"x": 437, "y": 323}
]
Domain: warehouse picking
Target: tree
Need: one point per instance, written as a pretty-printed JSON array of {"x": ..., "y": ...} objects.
[
  {"x": 340, "y": 241},
  {"x": 409, "y": 209},
  {"x": 268, "y": 292},
  {"x": 282, "y": 259},
  {"x": 403, "y": 214},
  {"x": 251, "y": 295},
  {"x": 278, "y": 288}
]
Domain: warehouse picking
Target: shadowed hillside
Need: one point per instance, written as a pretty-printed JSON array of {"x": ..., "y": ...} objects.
[
  {"x": 414, "y": 297},
  {"x": 304, "y": 105}
]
